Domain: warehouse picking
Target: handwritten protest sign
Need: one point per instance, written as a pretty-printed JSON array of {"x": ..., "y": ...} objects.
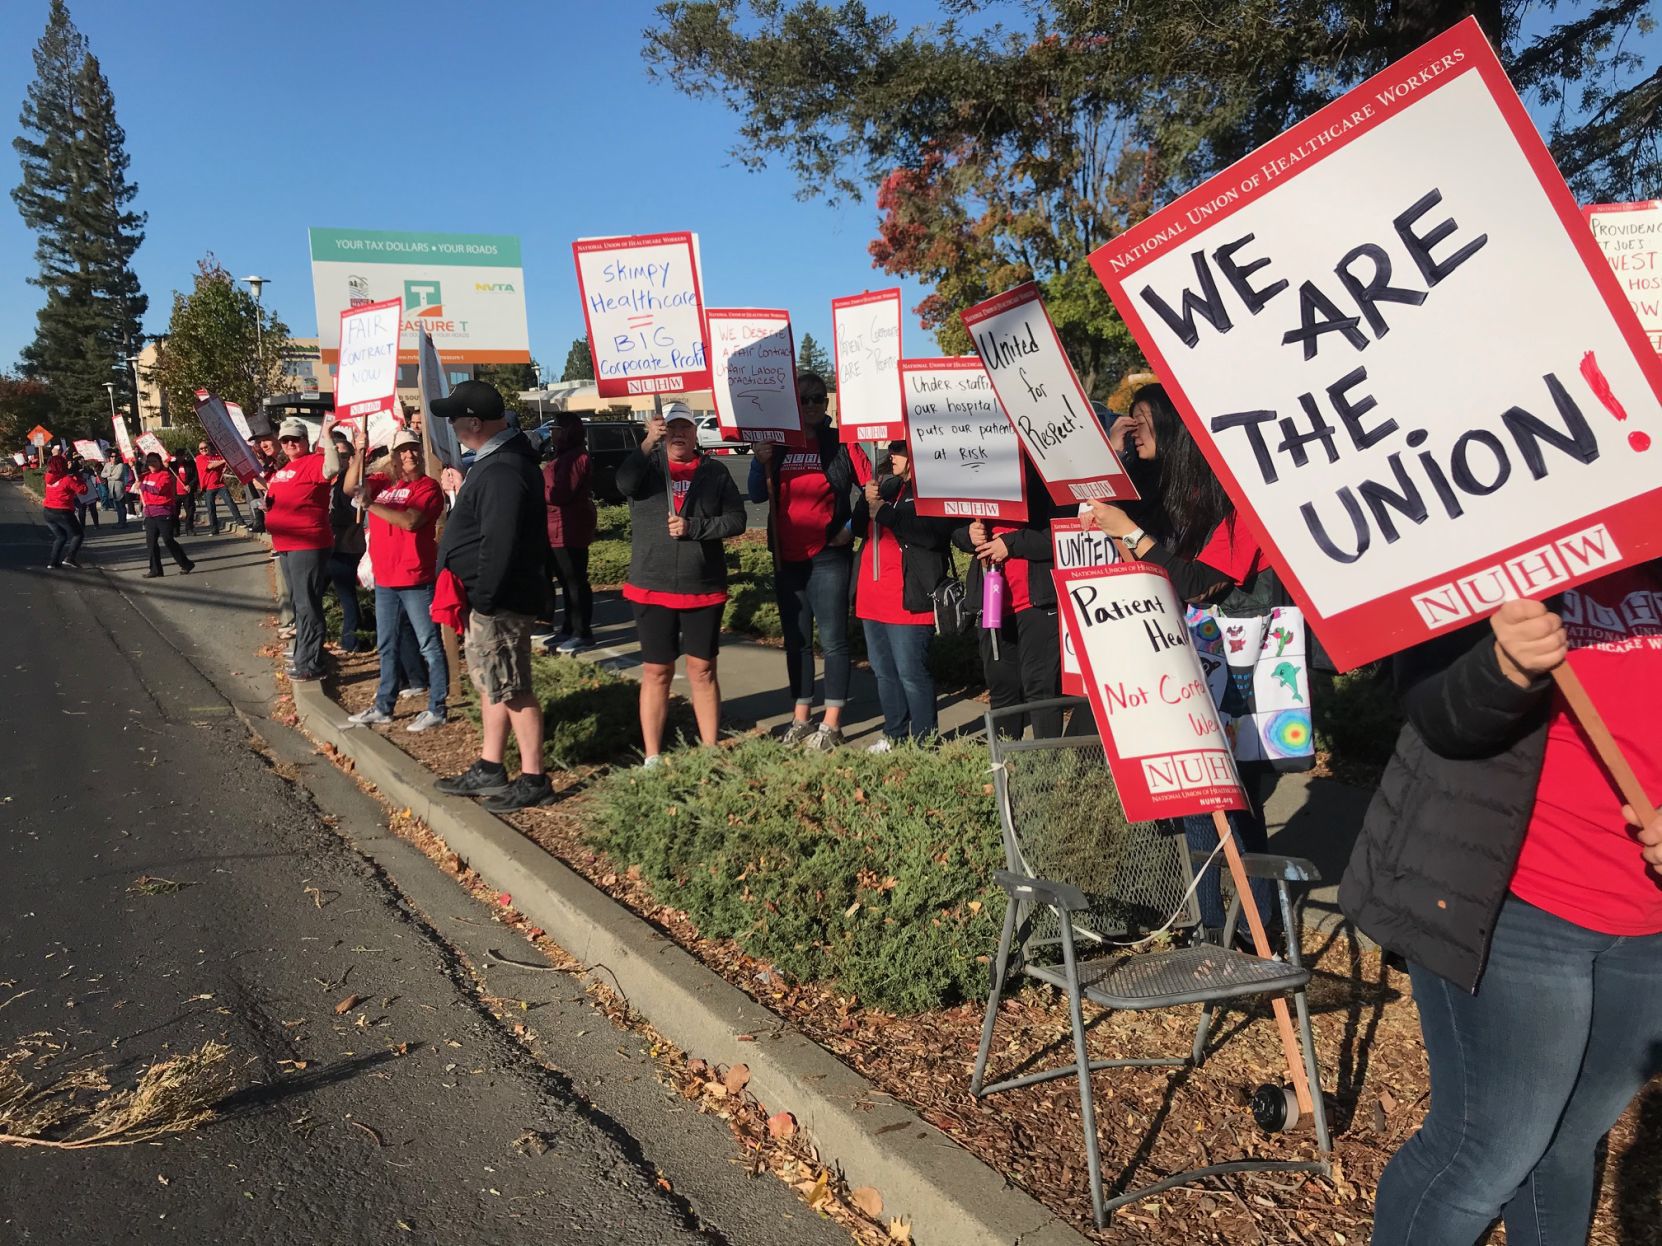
[
  {"x": 643, "y": 303},
  {"x": 1041, "y": 394},
  {"x": 148, "y": 444},
  {"x": 123, "y": 440},
  {"x": 753, "y": 375},
  {"x": 1401, "y": 349},
  {"x": 89, "y": 450},
  {"x": 1165, "y": 745},
  {"x": 366, "y": 385},
  {"x": 239, "y": 421},
  {"x": 966, "y": 461},
  {"x": 430, "y": 377},
  {"x": 1073, "y": 545},
  {"x": 215, "y": 418},
  {"x": 1630, "y": 234},
  {"x": 865, "y": 339}
]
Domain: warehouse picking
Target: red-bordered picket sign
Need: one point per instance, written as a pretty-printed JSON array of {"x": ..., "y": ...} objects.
[
  {"x": 865, "y": 344},
  {"x": 1402, "y": 350},
  {"x": 643, "y": 306},
  {"x": 753, "y": 374},
  {"x": 366, "y": 376},
  {"x": 123, "y": 439},
  {"x": 214, "y": 415},
  {"x": 1630, "y": 235},
  {"x": 966, "y": 461},
  {"x": 1072, "y": 546},
  {"x": 1041, "y": 394}
]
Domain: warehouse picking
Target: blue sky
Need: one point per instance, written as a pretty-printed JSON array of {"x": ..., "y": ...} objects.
[{"x": 535, "y": 119}]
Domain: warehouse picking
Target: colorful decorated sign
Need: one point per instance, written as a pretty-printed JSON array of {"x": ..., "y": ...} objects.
[
  {"x": 1400, "y": 347},
  {"x": 865, "y": 333},
  {"x": 966, "y": 461},
  {"x": 1259, "y": 676},
  {"x": 215, "y": 417},
  {"x": 1074, "y": 545},
  {"x": 1041, "y": 394},
  {"x": 643, "y": 303},
  {"x": 1165, "y": 743},
  {"x": 1630, "y": 234},
  {"x": 123, "y": 440},
  {"x": 753, "y": 375},
  {"x": 366, "y": 385}
]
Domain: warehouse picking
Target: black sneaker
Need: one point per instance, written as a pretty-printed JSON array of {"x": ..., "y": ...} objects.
[
  {"x": 526, "y": 792},
  {"x": 476, "y": 780}
]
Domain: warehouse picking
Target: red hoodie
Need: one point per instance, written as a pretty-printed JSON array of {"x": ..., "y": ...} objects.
[{"x": 62, "y": 485}]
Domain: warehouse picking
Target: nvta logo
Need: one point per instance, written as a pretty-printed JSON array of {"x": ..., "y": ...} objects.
[{"x": 493, "y": 287}]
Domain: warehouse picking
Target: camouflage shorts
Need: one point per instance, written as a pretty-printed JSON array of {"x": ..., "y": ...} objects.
[{"x": 498, "y": 651}]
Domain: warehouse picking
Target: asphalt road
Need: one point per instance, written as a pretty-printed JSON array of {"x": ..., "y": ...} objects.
[{"x": 393, "y": 1121}]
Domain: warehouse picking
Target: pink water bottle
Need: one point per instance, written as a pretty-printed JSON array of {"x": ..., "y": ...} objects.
[{"x": 995, "y": 591}]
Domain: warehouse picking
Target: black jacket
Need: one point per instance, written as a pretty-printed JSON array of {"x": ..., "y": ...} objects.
[
  {"x": 496, "y": 537},
  {"x": 925, "y": 545},
  {"x": 839, "y": 474},
  {"x": 1030, "y": 542},
  {"x": 712, "y": 507},
  {"x": 1441, "y": 839}
]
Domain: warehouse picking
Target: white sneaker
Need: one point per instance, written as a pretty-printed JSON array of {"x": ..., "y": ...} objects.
[
  {"x": 366, "y": 717},
  {"x": 413, "y": 692},
  {"x": 656, "y": 760},
  {"x": 885, "y": 745},
  {"x": 425, "y": 721},
  {"x": 574, "y": 644},
  {"x": 542, "y": 638}
]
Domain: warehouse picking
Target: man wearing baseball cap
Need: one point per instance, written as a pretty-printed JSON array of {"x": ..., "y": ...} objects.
[{"x": 496, "y": 544}]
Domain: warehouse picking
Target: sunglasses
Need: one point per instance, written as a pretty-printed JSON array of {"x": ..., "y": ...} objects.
[
  {"x": 815, "y": 398},
  {"x": 299, "y": 441}
]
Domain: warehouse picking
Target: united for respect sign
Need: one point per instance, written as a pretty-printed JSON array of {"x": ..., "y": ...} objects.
[
  {"x": 753, "y": 374},
  {"x": 966, "y": 461},
  {"x": 466, "y": 290},
  {"x": 1630, "y": 235},
  {"x": 865, "y": 333},
  {"x": 643, "y": 304},
  {"x": 1400, "y": 347},
  {"x": 1041, "y": 394},
  {"x": 1074, "y": 545},
  {"x": 1166, "y": 747}
]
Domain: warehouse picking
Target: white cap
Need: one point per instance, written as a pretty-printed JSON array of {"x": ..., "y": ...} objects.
[{"x": 677, "y": 411}]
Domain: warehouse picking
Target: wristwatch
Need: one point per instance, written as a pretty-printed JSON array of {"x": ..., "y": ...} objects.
[{"x": 1131, "y": 539}]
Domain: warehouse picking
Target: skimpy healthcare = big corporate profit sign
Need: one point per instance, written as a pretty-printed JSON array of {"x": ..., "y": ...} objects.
[{"x": 466, "y": 290}]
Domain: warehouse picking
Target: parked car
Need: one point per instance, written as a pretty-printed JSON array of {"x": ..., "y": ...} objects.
[
  {"x": 610, "y": 442},
  {"x": 710, "y": 437}
]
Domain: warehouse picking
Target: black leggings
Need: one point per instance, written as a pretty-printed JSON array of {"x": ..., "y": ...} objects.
[
  {"x": 66, "y": 536},
  {"x": 158, "y": 531},
  {"x": 569, "y": 568},
  {"x": 1028, "y": 667}
]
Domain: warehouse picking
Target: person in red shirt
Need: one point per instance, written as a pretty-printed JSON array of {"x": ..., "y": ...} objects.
[
  {"x": 210, "y": 473},
  {"x": 1501, "y": 860},
  {"x": 297, "y": 517},
  {"x": 64, "y": 490},
  {"x": 404, "y": 510},
  {"x": 896, "y": 608},
  {"x": 569, "y": 489},
  {"x": 159, "y": 495}
]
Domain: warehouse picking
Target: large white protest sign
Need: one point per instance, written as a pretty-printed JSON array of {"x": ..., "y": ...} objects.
[
  {"x": 148, "y": 444},
  {"x": 1165, "y": 744},
  {"x": 1400, "y": 347},
  {"x": 643, "y": 303},
  {"x": 123, "y": 439},
  {"x": 1041, "y": 394},
  {"x": 966, "y": 461},
  {"x": 865, "y": 341},
  {"x": 89, "y": 450},
  {"x": 430, "y": 377},
  {"x": 1074, "y": 545},
  {"x": 216, "y": 422},
  {"x": 753, "y": 374},
  {"x": 239, "y": 421},
  {"x": 366, "y": 386},
  {"x": 1630, "y": 234}
]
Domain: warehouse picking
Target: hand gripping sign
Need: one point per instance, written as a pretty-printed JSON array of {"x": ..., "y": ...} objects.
[
  {"x": 865, "y": 340},
  {"x": 1041, "y": 394},
  {"x": 643, "y": 305},
  {"x": 1165, "y": 744},
  {"x": 366, "y": 382},
  {"x": 753, "y": 375},
  {"x": 966, "y": 461}
]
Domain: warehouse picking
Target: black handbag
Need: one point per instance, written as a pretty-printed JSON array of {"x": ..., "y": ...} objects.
[{"x": 954, "y": 615}]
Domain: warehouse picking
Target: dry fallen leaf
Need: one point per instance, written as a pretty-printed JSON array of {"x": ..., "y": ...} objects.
[
  {"x": 781, "y": 1125},
  {"x": 348, "y": 1004},
  {"x": 866, "y": 1200},
  {"x": 736, "y": 1078},
  {"x": 900, "y": 1231}
]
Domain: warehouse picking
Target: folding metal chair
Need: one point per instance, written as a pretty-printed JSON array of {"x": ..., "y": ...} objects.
[{"x": 1084, "y": 888}]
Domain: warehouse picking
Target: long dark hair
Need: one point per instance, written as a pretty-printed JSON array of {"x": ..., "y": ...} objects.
[{"x": 1192, "y": 500}]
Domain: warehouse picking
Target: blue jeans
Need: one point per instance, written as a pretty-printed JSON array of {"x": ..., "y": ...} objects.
[
  {"x": 392, "y": 607},
  {"x": 1247, "y": 825},
  {"x": 816, "y": 592},
  {"x": 214, "y": 496},
  {"x": 343, "y": 574},
  {"x": 1527, "y": 1076},
  {"x": 899, "y": 655}
]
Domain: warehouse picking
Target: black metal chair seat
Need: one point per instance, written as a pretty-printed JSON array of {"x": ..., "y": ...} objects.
[{"x": 1188, "y": 975}]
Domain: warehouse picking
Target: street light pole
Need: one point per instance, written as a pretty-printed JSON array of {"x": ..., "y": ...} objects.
[
  {"x": 109, "y": 388},
  {"x": 256, "y": 284}
]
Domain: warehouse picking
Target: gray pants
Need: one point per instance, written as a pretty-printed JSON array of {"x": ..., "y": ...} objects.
[{"x": 305, "y": 571}]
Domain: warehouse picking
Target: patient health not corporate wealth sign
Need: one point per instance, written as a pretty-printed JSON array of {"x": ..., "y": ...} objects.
[
  {"x": 466, "y": 290},
  {"x": 1400, "y": 347}
]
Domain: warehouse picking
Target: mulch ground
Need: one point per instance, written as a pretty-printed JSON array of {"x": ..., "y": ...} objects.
[{"x": 1151, "y": 1122}]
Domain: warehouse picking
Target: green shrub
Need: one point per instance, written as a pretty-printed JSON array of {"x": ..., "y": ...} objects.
[
  {"x": 1357, "y": 716},
  {"x": 873, "y": 872}
]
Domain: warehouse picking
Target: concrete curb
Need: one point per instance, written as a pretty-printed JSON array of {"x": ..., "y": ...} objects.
[{"x": 923, "y": 1175}]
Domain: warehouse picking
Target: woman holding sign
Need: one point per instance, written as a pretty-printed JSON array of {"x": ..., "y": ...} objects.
[
  {"x": 1500, "y": 860},
  {"x": 297, "y": 517}
]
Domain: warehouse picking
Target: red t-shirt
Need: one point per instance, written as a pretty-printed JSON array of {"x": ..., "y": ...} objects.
[
  {"x": 158, "y": 490},
  {"x": 1233, "y": 550},
  {"x": 400, "y": 558},
  {"x": 805, "y": 505},
  {"x": 881, "y": 598},
  {"x": 1015, "y": 572},
  {"x": 211, "y": 477},
  {"x": 297, "y": 505},
  {"x": 64, "y": 492},
  {"x": 1580, "y": 860},
  {"x": 680, "y": 479}
]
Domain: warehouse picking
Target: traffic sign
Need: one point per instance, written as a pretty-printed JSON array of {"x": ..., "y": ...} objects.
[{"x": 39, "y": 435}]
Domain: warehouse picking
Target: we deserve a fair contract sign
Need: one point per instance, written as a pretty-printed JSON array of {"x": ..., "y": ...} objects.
[
  {"x": 1165, "y": 745},
  {"x": 753, "y": 374},
  {"x": 865, "y": 341},
  {"x": 643, "y": 305},
  {"x": 966, "y": 461},
  {"x": 1402, "y": 350}
]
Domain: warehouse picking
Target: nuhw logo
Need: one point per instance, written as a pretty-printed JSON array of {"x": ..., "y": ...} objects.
[
  {"x": 1530, "y": 574},
  {"x": 423, "y": 299}
]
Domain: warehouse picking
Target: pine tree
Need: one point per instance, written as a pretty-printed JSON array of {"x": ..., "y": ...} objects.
[
  {"x": 579, "y": 363},
  {"x": 811, "y": 357},
  {"x": 75, "y": 195}
]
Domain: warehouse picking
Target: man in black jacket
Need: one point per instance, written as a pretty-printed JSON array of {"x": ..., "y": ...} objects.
[{"x": 496, "y": 544}]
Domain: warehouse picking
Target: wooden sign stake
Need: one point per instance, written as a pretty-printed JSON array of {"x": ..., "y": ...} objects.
[{"x": 1592, "y": 722}]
